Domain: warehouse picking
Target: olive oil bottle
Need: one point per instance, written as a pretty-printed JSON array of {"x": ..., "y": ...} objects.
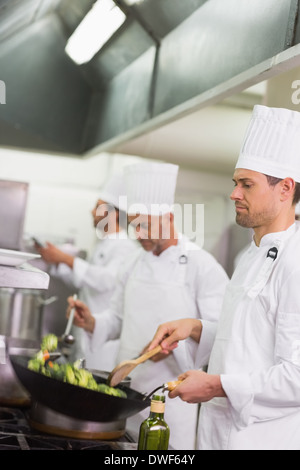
[{"x": 154, "y": 431}]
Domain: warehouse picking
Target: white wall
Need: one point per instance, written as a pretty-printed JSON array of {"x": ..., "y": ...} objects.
[{"x": 62, "y": 191}]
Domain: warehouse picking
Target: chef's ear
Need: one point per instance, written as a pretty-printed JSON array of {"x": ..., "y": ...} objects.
[{"x": 287, "y": 188}]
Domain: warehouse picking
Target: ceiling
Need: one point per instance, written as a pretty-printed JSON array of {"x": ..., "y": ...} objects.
[{"x": 174, "y": 83}]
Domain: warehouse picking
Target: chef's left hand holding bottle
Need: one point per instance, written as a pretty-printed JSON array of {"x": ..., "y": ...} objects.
[{"x": 83, "y": 317}]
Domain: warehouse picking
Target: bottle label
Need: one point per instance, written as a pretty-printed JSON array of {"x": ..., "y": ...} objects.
[{"x": 157, "y": 406}]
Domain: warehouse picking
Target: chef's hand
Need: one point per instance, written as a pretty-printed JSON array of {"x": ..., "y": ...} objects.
[
  {"x": 168, "y": 334},
  {"x": 197, "y": 387},
  {"x": 82, "y": 317},
  {"x": 158, "y": 357},
  {"x": 51, "y": 254}
]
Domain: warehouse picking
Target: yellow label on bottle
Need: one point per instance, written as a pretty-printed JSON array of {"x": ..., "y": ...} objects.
[{"x": 157, "y": 406}]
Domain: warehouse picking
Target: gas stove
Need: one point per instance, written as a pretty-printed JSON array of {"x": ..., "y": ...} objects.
[{"x": 17, "y": 434}]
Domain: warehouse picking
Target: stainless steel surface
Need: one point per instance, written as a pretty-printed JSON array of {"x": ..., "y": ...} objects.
[
  {"x": 67, "y": 337},
  {"x": 45, "y": 419},
  {"x": 13, "y": 197},
  {"x": 11, "y": 390},
  {"x": 23, "y": 277},
  {"x": 169, "y": 57},
  {"x": 17, "y": 434},
  {"x": 21, "y": 312}
]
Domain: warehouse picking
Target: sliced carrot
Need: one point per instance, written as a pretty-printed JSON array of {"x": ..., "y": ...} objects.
[{"x": 46, "y": 355}]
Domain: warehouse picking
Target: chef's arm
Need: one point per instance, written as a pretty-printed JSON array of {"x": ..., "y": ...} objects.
[
  {"x": 53, "y": 255},
  {"x": 97, "y": 277}
]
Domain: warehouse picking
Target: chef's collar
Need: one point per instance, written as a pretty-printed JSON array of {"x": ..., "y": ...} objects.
[
  {"x": 271, "y": 237},
  {"x": 174, "y": 251}
]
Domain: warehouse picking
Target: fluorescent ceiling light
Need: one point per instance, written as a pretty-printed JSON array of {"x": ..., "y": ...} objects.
[
  {"x": 133, "y": 2},
  {"x": 102, "y": 21}
]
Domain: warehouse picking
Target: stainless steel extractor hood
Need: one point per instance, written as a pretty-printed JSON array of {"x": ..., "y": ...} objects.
[{"x": 170, "y": 58}]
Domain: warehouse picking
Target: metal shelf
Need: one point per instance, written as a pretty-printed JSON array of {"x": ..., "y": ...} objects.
[{"x": 23, "y": 277}]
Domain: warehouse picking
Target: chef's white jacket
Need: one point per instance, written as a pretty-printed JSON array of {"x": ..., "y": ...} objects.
[
  {"x": 96, "y": 280},
  {"x": 256, "y": 351},
  {"x": 183, "y": 281}
]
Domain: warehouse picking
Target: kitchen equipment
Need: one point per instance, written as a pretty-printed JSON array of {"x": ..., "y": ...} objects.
[
  {"x": 17, "y": 434},
  {"x": 23, "y": 277},
  {"x": 168, "y": 386},
  {"x": 15, "y": 258},
  {"x": 13, "y": 197},
  {"x": 67, "y": 337},
  {"x": 12, "y": 392},
  {"x": 124, "y": 368},
  {"x": 77, "y": 402},
  {"x": 21, "y": 312},
  {"x": 48, "y": 421}
]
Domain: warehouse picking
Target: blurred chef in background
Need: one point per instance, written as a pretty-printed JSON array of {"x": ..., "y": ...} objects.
[
  {"x": 96, "y": 278},
  {"x": 169, "y": 276}
]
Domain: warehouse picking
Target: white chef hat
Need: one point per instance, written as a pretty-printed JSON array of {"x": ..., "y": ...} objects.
[
  {"x": 150, "y": 188},
  {"x": 272, "y": 143},
  {"x": 114, "y": 192}
]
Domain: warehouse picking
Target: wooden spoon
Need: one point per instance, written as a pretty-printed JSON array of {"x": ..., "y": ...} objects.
[{"x": 124, "y": 368}]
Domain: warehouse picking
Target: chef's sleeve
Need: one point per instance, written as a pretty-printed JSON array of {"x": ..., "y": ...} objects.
[
  {"x": 101, "y": 278},
  {"x": 211, "y": 285}
]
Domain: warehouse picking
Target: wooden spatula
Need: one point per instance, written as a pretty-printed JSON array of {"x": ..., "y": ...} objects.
[{"x": 124, "y": 368}]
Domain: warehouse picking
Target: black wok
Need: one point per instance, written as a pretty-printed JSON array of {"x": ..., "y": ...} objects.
[{"x": 78, "y": 402}]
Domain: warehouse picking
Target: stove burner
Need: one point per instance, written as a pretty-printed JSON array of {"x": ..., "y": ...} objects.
[{"x": 16, "y": 434}]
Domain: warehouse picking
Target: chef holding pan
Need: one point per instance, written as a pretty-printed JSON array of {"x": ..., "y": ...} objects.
[
  {"x": 96, "y": 278},
  {"x": 168, "y": 276},
  {"x": 251, "y": 393}
]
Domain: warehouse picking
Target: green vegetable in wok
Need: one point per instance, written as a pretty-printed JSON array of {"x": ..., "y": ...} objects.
[
  {"x": 70, "y": 373},
  {"x": 49, "y": 343}
]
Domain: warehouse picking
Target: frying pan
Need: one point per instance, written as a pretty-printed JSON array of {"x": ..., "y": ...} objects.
[{"x": 75, "y": 401}]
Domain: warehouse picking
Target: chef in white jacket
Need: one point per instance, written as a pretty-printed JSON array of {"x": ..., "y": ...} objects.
[
  {"x": 168, "y": 276},
  {"x": 251, "y": 393},
  {"x": 96, "y": 277}
]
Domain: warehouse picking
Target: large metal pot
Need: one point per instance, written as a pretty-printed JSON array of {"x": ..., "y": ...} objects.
[
  {"x": 12, "y": 392},
  {"x": 21, "y": 312}
]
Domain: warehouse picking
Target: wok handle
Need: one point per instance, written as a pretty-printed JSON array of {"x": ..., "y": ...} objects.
[{"x": 171, "y": 385}]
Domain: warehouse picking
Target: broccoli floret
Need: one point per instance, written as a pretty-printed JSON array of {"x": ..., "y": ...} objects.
[
  {"x": 92, "y": 384},
  {"x": 69, "y": 375},
  {"x": 82, "y": 377},
  {"x": 103, "y": 388},
  {"x": 45, "y": 370},
  {"x": 34, "y": 364},
  {"x": 111, "y": 391},
  {"x": 49, "y": 343},
  {"x": 117, "y": 392}
]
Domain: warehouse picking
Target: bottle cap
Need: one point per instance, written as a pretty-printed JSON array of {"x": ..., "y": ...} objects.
[{"x": 157, "y": 404}]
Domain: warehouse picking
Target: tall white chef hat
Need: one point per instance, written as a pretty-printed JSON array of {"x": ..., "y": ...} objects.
[
  {"x": 114, "y": 192},
  {"x": 272, "y": 143},
  {"x": 150, "y": 188}
]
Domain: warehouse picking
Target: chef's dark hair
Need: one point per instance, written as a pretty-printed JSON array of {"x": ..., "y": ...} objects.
[{"x": 273, "y": 181}]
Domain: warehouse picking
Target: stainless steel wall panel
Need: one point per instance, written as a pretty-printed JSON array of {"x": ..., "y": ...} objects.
[
  {"x": 46, "y": 95},
  {"x": 217, "y": 42},
  {"x": 124, "y": 103}
]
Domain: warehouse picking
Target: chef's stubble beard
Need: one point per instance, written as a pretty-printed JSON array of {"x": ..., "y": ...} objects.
[{"x": 254, "y": 221}]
